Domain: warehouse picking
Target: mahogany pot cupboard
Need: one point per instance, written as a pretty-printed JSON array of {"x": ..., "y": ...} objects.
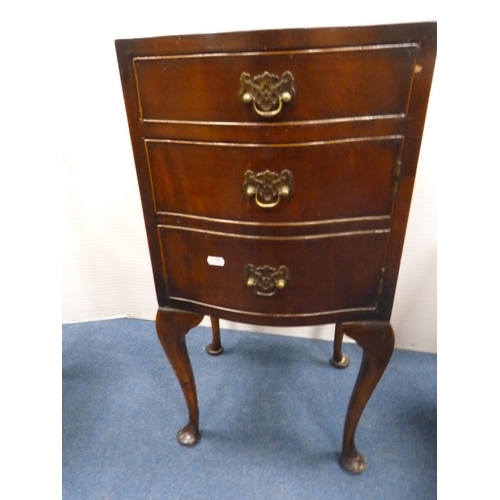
[{"x": 276, "y": 171}]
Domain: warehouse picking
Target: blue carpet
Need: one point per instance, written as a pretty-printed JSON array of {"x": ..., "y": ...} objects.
[{"x": 271, "y": 415}]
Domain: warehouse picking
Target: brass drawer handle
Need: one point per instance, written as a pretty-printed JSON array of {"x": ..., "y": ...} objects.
[
  {"x": 266, "y": 280},
  {"x": 268, "y": 187},
  {"x": 267, "y": 92}
]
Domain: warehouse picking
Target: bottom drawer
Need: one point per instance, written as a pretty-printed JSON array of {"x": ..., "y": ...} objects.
[{"x": 274, "y": 276}]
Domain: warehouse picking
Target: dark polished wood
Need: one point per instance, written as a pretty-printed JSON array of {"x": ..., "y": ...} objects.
[
  {"x": 339, "y": 359},
  {"x": 377, "y": 341},
  {"x": 338, "y": 176},
  {"x": 172, "y": 327},
  {"x": 215, "y": 347},
  {"x": 276, "y": 170},
  {"x": 380, "y": 80}
]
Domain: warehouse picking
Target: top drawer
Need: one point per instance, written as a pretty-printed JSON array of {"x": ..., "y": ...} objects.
[{"x": 330, "y": 84}]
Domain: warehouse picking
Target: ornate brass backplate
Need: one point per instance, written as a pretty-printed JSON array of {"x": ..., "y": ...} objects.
[
  {"x": 266, "y": 280},
  {"x": 267, "y": 92},
  {"x": 268, "y": 187}
]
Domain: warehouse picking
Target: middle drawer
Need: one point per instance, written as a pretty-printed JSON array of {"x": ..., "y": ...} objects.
[{"x": 295, "y": 182}]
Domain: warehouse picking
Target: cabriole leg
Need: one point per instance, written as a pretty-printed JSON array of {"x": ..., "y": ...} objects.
[
  {"x": 172, "y": 327},
  {"x": 377, "y": 341},
  {"x": 215, "y": 348},
  {"x": 339, "y": 360}
]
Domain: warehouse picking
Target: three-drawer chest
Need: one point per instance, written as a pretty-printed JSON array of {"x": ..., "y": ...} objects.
[{"x": 276, "y": 171}]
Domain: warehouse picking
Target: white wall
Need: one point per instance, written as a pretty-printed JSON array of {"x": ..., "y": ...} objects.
[{"x": 106, "y": 268}]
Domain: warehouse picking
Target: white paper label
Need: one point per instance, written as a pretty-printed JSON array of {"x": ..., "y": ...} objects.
[{"x": 215, "y": 261}]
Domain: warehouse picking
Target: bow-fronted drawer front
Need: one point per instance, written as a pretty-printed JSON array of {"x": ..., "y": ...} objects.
[
  {"x": 323, "y": 84},
  {"x": 254, "y": 275},
  {"x": 275, "y": 182}
]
